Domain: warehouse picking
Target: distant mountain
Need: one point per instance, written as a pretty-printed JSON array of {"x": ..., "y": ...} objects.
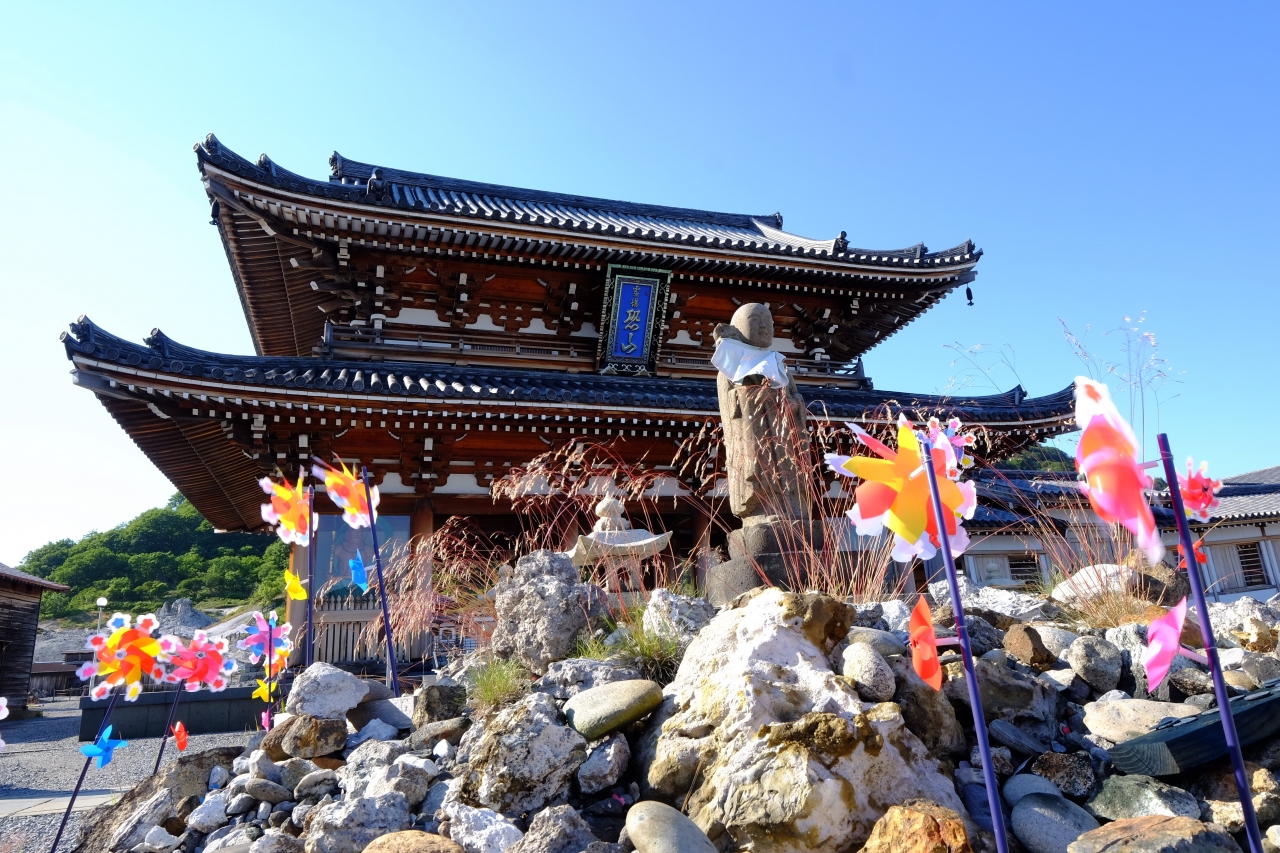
[
  {"x": 165, "y": 553},
  {"x": 1041, "y": 458}
]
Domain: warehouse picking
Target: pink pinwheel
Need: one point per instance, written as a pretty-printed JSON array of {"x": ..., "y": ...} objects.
[
  {"x": 1164, "y": 643},
  {"x": 1108, "y": 457},
  {"x": 1199, "y": 491},
  {"x": 203, "y": 663},
  {"x": 4, "y": 712},
  {"x": 256, "y": 642}
]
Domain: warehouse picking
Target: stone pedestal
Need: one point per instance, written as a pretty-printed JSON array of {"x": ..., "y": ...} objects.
[{"x": 759, "y": 548}]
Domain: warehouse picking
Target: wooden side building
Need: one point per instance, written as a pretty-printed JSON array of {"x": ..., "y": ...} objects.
[{"x": 20, "y": 595}]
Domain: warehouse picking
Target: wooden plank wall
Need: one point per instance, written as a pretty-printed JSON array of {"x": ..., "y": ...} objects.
[{"x": 19, "y": 613}]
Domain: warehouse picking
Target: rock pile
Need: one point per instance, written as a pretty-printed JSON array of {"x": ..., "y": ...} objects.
[{"x": 795, "y": 722}]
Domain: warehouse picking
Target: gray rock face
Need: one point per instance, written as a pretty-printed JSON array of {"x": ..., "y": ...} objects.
[
  {"x": 437, "y": 702},
  {"x": 1049, "y": 824},
  {"x": 679, "y": 616},
  {"x": 316, "y": 784},
  {"x": 278, "y": 842},
  {"x": 154, "y": 810},
  {"x": 294, "y": 771},
  {"x": 1024, "y": 643},
  {"x": 480, "y": 830},
  {"x": 323, "y": 690},
  {"x": 267, "y": 791},
  {"x": 1260, "y": 668},
  {"x": 375, "y": 729},
  {"x": 1028, "y": 783},
  {"x": 369, "y": 756},
  {"x": 785, "y": 746},
  {"x": 605, "y": 765},
  {"x": 596, "y": 712},
  {"x": 385, "y": 710},
  {"x": 871, "y": 676},
  {"x": 1120, "y": 797},
  {"x": 1096, "y": 661},
  {"x": 1006, "y": 694},
  {"x": 541, "y": 609},
  {"x": 181, "y": 617},
  {"x": 1056, "y": 640},
  {"x": 927, "y": 713},
  {"x": 210, "y": 814},
  {"x": 1019, "y": 605},
  {"x": 411, "y": 781},
  {"x": 558, "y": 829},
  {"x": 655, "y": 827},
  {"x": 348, "y": 826},
  {"x": 524, "y": 760},
  {"x": 231, "y": 838},
  {"x": 565, "y": 679},
  {"x": 885, "y": 643}
]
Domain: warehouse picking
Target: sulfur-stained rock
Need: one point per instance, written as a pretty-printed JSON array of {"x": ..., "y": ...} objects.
[
  {"x": 785, "y": 753},
  {"x": 918, "y": 827},
  {"x": 1024, "y": 643},
  {"x": 927, "y": 713},
  {"x": 310, "y": 736}
]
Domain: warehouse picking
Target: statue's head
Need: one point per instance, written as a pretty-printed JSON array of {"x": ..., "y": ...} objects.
[{"x": 755, "y": 323}]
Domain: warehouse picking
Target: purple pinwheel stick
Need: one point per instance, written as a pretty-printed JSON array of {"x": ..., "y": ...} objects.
[
  {"x": 962, "y": 634},
  {"x": 164, "y": 737},
  {"x": 75, "y": 792},
  {"x": 1210, "y": 648},
  {"x": 311, "y": 568},
  {"x": 393, "y": 675}
]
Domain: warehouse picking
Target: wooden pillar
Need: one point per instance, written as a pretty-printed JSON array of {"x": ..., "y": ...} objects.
[
  {"x": 295, "y": 612},
  {"x": 422, "y": 524}
]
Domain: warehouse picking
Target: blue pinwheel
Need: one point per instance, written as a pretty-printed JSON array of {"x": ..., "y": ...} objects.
[
  {"x": 359, "y": 576},
  {"x": 103, "y": 748},
  {"x": 256, "y": 642}
]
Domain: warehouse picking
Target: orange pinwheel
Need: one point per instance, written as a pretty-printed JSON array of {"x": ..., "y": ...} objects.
[
  {"x": 1201, "y": 556},
  {"x": 1108, "y": 457},
  {"x": 347, "y": 491},
  {"x": 894, "y": 493},
  {"x": 924, "y": 646},
  {"x": 180, "y": 736},
  {"x": 288, "y": 511},
  {"x": 122, "y": 655},
  {"x": 1199, "y": 492}
]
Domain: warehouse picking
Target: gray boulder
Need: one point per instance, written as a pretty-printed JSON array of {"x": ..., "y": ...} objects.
[
  {"x": 1096, "y": 661},
  {"x": 1049, "y": 824},
  {"x": 1120, "y": 797},
  {"x": 604, "y": 766},
  {"x": 558, "y": 829},
  {"x": 524, "y": 759},
  {"x": 678, "y": 616},
  {"x": 871, "y": 676},
  {"x": 541, "y": 609},
  {"x": 349, "y": 825}
]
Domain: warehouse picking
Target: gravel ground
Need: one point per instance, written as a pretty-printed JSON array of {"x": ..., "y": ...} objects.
[
  {"x": 35, "y": 834},
  {"x": 42, "y": 759}
]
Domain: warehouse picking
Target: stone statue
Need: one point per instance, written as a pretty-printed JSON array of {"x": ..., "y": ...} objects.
[
  {"x": 759, "y": 427},
  {"x": 766, "y": 447}
]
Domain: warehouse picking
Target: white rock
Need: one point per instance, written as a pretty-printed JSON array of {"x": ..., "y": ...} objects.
[
  {"x": 262, "y": 767},
  {"x": 218, "y": 777},
  {"x": 1092, "y": 581},
  {"x": 240, "y": 765},
  {"x": 870, "y": 675},
  {"x": 444, "y": 749},
  {"x": 426, "y": 765},
  {"x": 1124, "y": 719},
  {"x": 350, "y": 825},
  {"x": 480, "y": 830},
  {"x": 678, "y": 616},
  {"x": 275, "y": 841},
  {"x": 1231, "y": 658},
  {"x": 896, "y": 614},
  {"x": 375, "y": 729},
  {"x": 1019, "y": 605},
  {"x": 323, "y": 690},
  {"x": 605, "y": 765},
  {"x": 210, "y": 814},
  {"x": 159, "y": 840},
  {"x": 134, "y": 829}
]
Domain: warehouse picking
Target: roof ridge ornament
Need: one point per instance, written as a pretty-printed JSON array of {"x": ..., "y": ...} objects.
[{"x": 841, "y": 244}]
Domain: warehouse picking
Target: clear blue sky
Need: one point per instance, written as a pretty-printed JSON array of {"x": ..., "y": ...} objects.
[{"x": 1109, "y": 158}]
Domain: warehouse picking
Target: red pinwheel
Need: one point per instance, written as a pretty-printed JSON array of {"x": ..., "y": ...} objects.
[
  {"x": 924, "y": 646},
  {"x": 203, "y": 663},
  {"x": 1201, "y": 556},
  {"x": 180, "y": 736},
  {"x": 1199, "y": 491}
]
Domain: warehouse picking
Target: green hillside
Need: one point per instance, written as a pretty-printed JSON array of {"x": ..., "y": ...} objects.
[{"x": 165, "y": 553}]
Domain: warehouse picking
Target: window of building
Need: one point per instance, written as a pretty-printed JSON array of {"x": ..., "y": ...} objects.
[
  {"x": 1251, "y": 570},
  {"x": 1012, "y": 570},
  {"x": 1240, "y": 566},
  {"x": 1025, "y": 569}
]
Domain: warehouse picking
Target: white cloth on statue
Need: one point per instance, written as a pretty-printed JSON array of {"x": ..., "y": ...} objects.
[{"x": 737, "y": 361}]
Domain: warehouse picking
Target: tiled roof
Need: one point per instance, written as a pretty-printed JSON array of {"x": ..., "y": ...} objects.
[
  {"x": 1252, "y": 495},
  {"x": 14, "y": 574},
  {"x": 439, "y": 383},
  {"x": 363, "y": 183}
]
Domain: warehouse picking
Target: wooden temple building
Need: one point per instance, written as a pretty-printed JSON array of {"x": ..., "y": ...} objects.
[{"x": 442, "y": 331}]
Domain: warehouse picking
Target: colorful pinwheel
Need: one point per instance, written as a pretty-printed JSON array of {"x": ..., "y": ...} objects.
[
  {"x": 256, "y": 642},
  {"x": 895, "y": 493},
  {"x": 180, "y": 737},
  {"x": 203, "y": 663},
  {"x": 123, "y": 654},
  {"x": 359, "y": 575},
  {"x": 288, "y": 510},
  {"x": 1164, "y": 643},
  {"x": 1108, "y": 457},
  {"x": 1199, "y": 491},
  {"x": 103, "y": 748},
  {"x": 4, "y": 712},
  {"x": 293, "y": 586},
  {"x": 266, "y": 721},
  {"x": 924, "y": 646},
  {"x": 265, "y": 691},
  {"x": 347, "y": 491}
]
